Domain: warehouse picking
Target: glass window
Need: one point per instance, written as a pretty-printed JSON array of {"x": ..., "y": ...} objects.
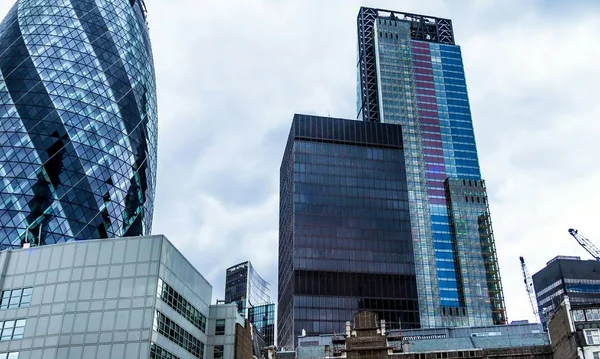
[
  {"x": 176, "y": 301},
  {"x": 157, "y": 352},
  {"x": 592, "y": 336},
  {"x": 220, "y": 327},
  {"x": 172, "y": 331},
  {"x": 578, "y": 316},
  {"x": 596, "y": 355},
  {"x": 592, "y": 314},
  {"x": 16, "y": 298},
  {"x": 218, "y": 354}
]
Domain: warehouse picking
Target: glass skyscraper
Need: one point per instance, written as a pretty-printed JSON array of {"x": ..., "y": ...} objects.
[
  {"x": 78, "y": 121},
  {"x": 344, "y": 243},
  {"x": 410, "y": 72},
  {"x": 246, "y": 288}
]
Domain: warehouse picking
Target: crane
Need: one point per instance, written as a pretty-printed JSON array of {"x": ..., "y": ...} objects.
[
  {"x": 586, "y": 244},
  {"x": 529, "y": 287}
]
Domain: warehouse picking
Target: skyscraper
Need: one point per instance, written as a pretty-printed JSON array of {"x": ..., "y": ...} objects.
[
  {"x": 410, "y": 72},
  {"x": 344, "y": 242},
  {"x": 245, "y": 287},
  {"x": 78, "y": 121}
]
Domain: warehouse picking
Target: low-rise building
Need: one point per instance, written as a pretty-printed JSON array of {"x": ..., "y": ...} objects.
[
  {"x": 120, "y": 298},
  {"x": 574, "y": 330},
  {"x": 369, "y": 339},
  {"x": 566, "y": 276}
]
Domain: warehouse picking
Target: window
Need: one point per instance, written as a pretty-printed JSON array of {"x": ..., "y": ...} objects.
[
  {"x": 12, "y": 329},
  {"x": 592, "y": 314},
  {"x": 172, "y": 331},
  {"x": 595, "y": 354},
  {"x": 578, "y": 316},
  {"x": 220, "y": 327},
  {"x": 157, "y": 352},
  {"x": 181, "y": 305},
  {"x": 219, "y": 352},
  {"x": 15, "y": 298},
  {"x": 10, "y": 355},
  {"x": 592, "y": 336}
]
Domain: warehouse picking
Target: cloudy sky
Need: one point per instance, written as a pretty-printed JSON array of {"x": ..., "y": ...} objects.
[{"x": 231, "y": 74}]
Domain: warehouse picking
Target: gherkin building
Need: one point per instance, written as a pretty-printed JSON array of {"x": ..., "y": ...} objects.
[{"x": 78, "y": 121}]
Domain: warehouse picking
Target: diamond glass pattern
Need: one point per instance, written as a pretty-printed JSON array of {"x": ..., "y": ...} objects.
[{"x": 78, "y": 121}]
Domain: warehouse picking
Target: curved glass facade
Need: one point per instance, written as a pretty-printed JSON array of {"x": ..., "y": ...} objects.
[{"x": 78, "y": 121}]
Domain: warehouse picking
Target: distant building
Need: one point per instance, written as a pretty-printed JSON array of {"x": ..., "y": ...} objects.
[
  {"x": 245, "y": 287},
  {"x": 369, "y": 339},
  {"x": 252, "y": 294},
  {"x": 263, "y": 319},
  {"x": 579, "y": 279},
  {"x": 223, "y": 332},
  {"x": 574, "y": 330},
  {"x": 135, "y": 297}
]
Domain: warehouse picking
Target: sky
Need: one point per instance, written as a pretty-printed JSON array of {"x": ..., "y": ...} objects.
[{"x": 231, "y": 75}]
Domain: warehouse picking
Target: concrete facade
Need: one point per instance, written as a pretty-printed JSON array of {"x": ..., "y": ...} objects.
[
  {"x": 134, "y": 297},
  {"x": 574, "y": 330}
]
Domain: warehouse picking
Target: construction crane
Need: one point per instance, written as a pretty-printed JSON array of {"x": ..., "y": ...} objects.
[
  {"x": 529, "y": 287},
  {"x": 586, "y": 244}
]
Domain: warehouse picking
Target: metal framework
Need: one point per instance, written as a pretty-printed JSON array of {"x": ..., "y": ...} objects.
[
  {"x": 422, "y": 28},
  {"x": 366, "y": 64},
  {"x": 529, "y": 287},
  {"x": 586, "y": 244}
]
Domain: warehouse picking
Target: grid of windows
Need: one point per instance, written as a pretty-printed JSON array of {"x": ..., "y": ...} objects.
[
  {"x": 9, "y": 355},
  {"x": 165, "y": 326},
  {"x": 220, "y": 327},
  {"x": 263, "y": 318},
  {"x": 181, "y": 305},
  {"x": 12, "y": 329},
  {"x": 345, "y": 227},
  {"x": 78, "y": 122},
  {"x": 16, "y": 298},
  {"x": 422, "y": 87},
  {"x": 157, "y": 352}
]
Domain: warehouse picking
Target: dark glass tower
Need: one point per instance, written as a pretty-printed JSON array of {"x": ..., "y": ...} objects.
[
  {"x": 78, "y": 121},
  {"x": 246, "y": 288},
  {"x": 344, "y": 242},
  {"x": 566, "y": 276},
  {"x": 410, "y": 72}
]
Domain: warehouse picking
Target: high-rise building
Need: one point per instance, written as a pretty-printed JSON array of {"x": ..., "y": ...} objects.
[
  {"x": 566, "y": 276},
  {"x": 345, "y": 242},
  {"x": 78, "y": 121},
  {"x": 246, "y": 288},
  {"x": 410, "y": 72}
]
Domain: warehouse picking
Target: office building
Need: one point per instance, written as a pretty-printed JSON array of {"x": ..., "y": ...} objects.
[
  {"x": 122, "y": 298},
  {"x": 573, "y": 330},
  {"x": 252, "y": 294},
  {"x": 566, "y": 275},
  {"x": 245, "y": 287},
  {"x": 410, "y": 72},
  {"x": 263, "y": 319},
  {"x": 345, "y": 233},
  {"x": 369, "y": 338},
  {"x": 78, "y": 121}
]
